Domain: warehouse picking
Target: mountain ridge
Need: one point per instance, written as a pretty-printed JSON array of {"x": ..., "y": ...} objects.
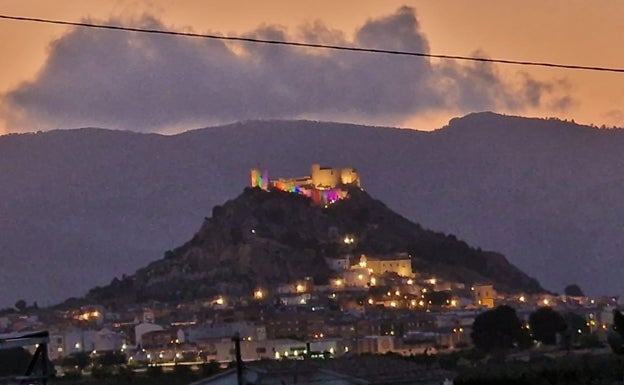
[{"x": 109, "y": 202}]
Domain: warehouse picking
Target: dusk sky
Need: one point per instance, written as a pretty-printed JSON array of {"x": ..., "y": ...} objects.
[{"x": 66, "y": 77}]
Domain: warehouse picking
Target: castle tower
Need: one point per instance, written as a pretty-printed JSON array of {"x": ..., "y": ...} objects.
[{"x": 259, "y": 178}]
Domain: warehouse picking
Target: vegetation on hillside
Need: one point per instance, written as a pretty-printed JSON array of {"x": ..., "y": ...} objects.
[{"x": 266, "y": 238}]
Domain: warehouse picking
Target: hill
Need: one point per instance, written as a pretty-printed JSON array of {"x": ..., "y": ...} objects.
[
  {"x": 262, "y": 239},
  {"x": 80, "y": 207}
]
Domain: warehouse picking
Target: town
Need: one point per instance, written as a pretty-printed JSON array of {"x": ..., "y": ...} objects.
[{"x": 372, "y": 304}]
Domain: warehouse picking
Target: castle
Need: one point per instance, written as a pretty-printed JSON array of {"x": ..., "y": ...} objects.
[{"x": 324, "y": 185}]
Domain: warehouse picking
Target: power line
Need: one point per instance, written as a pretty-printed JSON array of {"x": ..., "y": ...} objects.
[{"x": 313, "y": 45}]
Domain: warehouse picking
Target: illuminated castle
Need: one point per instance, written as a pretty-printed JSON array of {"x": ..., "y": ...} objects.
[{"x": 324, "y": 185}]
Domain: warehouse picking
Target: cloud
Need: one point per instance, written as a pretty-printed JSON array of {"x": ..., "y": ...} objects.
[{"x": 146, "y": 82}]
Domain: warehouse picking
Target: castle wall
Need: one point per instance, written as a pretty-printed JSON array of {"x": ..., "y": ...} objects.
[
  {"x": 325, "y": 177},
  {"x": 324, "y": 186},
  {"x": 349, "y": 176}
]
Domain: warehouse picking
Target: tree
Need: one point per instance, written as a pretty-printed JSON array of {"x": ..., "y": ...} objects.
[
  {"x": 616, "y": 336},
  {"x": 110, "y": 358},
  {"x": 20, "y": 305},
  {"x": 99, "y": 371},
  {"x": 577, "y": 326},
  {"x": 499, "y": 329},
  {"x": 573, "y": 290},
  {"x": 545, "y": 324},
  {"x": 78, "y": 360}
]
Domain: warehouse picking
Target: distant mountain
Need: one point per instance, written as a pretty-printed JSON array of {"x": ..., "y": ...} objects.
[
  {"x": 80, "y": 207},
  {"x": 263, "y": 239}
]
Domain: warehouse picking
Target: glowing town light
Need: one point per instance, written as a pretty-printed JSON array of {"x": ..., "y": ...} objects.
[
  {"x": 421, "y": 303},
  {"x": 77, "y": 345},
  {"x": 424, "y": 290},
  {"x": 348, "y": 240},
  {"x": 258, "y": 294},
  {"x": 393, "y": 304},
  {"x": 397, "y": 293},
  {"x": 220, "y": 301},
  {"x": 332, "y": 350},
  {"x": 300, "y": 288},
  {"x": 413, "y": 302},
  {"x": 339, "y": 282},
  {"x": 360, "y": 277},
  {"x": 522, "y": 299},
  {"x": 373, "y": 281},
  {"x": 370, "y": 301},
  {"x": 362, "y": 264},
  {"x": 546, "y": 302},
  {"x": 410, "y": 281},
  {"x": 432, "y": 281},
  {"x": 453, "y": 302}
]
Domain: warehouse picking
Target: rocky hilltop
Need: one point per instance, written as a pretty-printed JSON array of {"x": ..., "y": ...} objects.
[{"x": 266, "y": 238}]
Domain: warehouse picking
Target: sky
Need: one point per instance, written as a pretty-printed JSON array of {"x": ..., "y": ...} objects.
[{"x": 68, "y": 77}]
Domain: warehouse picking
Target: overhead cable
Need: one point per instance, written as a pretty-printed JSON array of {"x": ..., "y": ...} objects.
[{"x": 315, "y": 45}]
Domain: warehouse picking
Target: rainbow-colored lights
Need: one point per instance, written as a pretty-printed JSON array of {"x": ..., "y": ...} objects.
[
  {"x": 260, "y": 178},
  {"x": 320, "y": 196}
]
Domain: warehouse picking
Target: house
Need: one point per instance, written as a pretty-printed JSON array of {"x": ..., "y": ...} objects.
[
  {"x": 399, "y": 263},
  {"x": 484, "y": 295}
]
